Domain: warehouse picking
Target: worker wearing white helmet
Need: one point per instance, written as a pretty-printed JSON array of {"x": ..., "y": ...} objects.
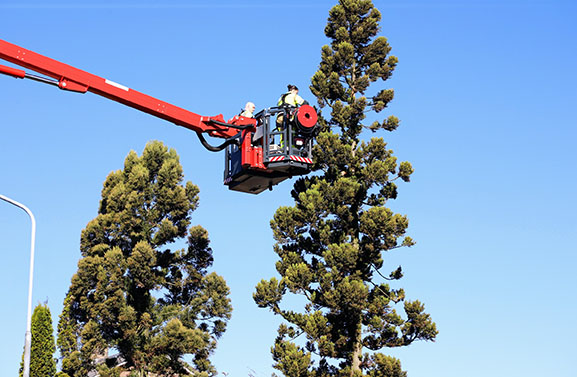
[{"x": 248, "y": 110}]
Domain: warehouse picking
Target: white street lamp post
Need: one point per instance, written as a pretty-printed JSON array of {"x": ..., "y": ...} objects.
[{"x": 28, "y": 337}]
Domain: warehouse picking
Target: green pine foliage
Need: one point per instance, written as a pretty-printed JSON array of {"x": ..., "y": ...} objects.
[
  {"x": 332, "y": 242},
  {"x": 42, "y": 346},
  {"x": 135, "y": 293}
]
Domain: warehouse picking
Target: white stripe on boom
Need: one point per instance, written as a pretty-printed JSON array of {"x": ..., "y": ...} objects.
[{"x": 116, "y": 85}]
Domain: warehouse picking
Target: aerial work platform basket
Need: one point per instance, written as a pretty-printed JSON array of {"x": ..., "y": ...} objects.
[{"x": 280, "y": 148}]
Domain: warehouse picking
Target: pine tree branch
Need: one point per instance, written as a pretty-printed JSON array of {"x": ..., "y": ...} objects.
[
  {"x": 379, "y": 288},
  {"x": 297, "y": 335},
  {"x": 378, "y": 272}
]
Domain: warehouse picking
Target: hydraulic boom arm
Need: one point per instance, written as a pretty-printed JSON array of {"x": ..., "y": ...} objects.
[
  {"x": 260, "y": 151},
  {"x": 73, "y": 79}
]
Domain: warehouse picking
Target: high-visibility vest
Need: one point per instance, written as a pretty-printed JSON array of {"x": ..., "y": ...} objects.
[{"x": 291, "y": 99}]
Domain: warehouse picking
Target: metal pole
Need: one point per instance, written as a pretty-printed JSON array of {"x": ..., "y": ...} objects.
[{"x": 28, "y": 337}]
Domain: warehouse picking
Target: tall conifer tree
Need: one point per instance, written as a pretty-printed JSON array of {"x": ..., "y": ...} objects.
[
  {"x": 133, "y": 292},
  {"x": 42, "y": 346},
  {"x": 331, "y": 242}
]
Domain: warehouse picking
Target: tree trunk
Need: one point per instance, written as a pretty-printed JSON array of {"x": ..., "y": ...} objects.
[{"x": 357, "y": 350}]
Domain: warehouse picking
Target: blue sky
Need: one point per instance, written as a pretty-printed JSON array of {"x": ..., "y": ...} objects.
[{"x": 486, "y": 93}]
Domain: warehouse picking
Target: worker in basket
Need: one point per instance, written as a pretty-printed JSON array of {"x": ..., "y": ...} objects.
[
  {"x": 248, "y": 111},
  {"x": 290, "y": 98}
]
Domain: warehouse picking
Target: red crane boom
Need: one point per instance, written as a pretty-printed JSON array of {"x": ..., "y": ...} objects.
[
  {"x": 259, "y": 152},
  {"x": 76, "y": 80}
]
